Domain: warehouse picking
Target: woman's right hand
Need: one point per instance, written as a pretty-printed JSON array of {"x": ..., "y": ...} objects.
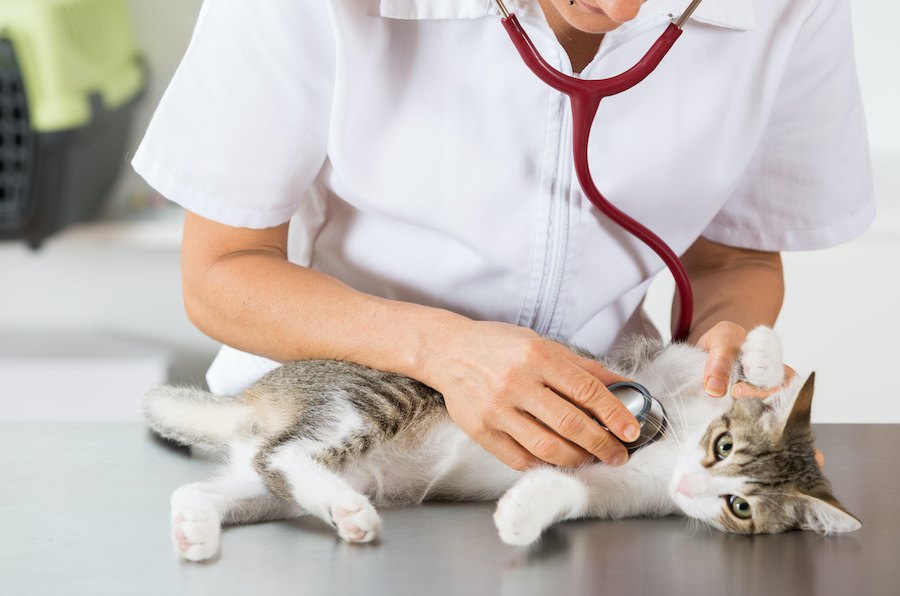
[{"x": 524, "y": 398}]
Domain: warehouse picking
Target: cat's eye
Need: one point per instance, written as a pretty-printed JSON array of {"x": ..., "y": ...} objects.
[
  {"x": 724, "y": 446},
  {"x": 739, "y": 506}
]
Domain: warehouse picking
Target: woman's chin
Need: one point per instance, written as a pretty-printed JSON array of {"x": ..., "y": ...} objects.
[
  {"x": 591, "y": 23},
  {"x": 588, "y": 18}
]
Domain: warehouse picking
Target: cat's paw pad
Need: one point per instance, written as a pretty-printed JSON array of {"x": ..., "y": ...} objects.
[
  {"x": 761, "y": 358},
  {"x": 195, "y": 534},
  {"x": 355, "y": 519},
  {"x": 516, "y": 521}
]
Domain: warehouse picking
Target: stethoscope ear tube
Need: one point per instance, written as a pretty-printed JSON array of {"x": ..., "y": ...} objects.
[{"x": 585, "y": 97}]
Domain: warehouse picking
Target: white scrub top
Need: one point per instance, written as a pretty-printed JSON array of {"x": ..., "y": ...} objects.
[{"x": 418, "y": 159}]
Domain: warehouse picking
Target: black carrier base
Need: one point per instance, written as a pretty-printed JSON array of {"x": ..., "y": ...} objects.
[{"x": 51, "y": 180}]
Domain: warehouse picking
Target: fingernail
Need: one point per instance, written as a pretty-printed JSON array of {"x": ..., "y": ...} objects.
[
  {"x": 632, "y": 433},
  {"x": 618, "y": 459},
  {"x": 715, "y": 386}
]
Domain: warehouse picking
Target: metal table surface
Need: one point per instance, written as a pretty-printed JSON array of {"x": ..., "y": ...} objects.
[{"x": 84, "y": 510}]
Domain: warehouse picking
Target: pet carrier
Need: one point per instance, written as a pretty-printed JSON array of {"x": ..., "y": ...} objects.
[{"x": 70, "y": 76}]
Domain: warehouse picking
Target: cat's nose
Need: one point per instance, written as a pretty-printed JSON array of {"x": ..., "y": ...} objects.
[{"x": 692, "y": 484}]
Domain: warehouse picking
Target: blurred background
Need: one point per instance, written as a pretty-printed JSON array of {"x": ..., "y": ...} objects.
[{"x": 94, "y": 315}]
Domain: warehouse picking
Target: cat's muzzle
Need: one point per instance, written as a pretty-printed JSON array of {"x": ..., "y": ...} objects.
[{"x": 649, "y": 412}]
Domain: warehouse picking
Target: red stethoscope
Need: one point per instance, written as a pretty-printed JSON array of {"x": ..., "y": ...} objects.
[{"x": 585, "y": 96}]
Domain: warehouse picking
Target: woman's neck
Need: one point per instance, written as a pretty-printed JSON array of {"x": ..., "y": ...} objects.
[{"x": 580, "y": 46}]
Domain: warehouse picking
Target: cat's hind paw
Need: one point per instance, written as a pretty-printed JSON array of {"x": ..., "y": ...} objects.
[
  {"x": 762, "y": 360},
  {"x": 195, "y": 534},
  {"x": 355, "y": 519}
]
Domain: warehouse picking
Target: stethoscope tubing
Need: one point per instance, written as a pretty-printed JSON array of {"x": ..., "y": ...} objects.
[{"x": 585, "y": 97}]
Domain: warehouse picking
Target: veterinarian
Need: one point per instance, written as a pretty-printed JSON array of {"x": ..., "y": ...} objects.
[{"x": 385, "y": 182}]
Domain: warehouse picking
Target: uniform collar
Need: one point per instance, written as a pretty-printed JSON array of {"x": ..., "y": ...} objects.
[{"x": 731, "y": 14}]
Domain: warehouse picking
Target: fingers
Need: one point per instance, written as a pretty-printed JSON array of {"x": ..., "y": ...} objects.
[
  {"x": 820, "y": 459},
  {"x": 499, "y": 396},
  {"x": 723, "y": 342},
  {"x": 744, "y": 389},
  {"x": 507, "y": 450},
  {"x": 589, "y": 392},
  {"x": 541, "y": 442},
  {"x": 575, "y": 425}
]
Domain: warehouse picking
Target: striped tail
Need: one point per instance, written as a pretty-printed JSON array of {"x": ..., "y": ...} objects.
[{"x": 195, "y": 417}]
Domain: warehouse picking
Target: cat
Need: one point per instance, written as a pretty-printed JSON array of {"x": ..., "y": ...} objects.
[{"x": 332, "y": 439}]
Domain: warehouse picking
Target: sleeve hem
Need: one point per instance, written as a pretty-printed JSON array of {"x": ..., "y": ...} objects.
[
  {"x": 796, "y": 239},
  {"x": 200, "y": 201}
]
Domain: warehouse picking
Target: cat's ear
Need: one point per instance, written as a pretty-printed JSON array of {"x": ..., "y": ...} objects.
[
  {"x": 802, "y": 408},
  {"x": 826, "y": 516},
  {"x": 791, "y": 408}
]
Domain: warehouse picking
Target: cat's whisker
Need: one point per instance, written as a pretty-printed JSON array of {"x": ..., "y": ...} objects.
[
  {"x": 676, "y": 397},
  {"x": 694, "y": 526},
  {"x": 676, "y": 401}
]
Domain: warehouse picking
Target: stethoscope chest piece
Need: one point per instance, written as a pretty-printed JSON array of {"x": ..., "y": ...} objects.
[{"x": 649, "y": 412}]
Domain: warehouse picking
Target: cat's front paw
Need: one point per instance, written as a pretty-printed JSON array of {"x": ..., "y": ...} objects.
[
  {"x": 762, "y": 360},
  {"x": 539, "y": 499},
  {"x": 195, "y": 533},
  {"x": 515, "y": 521},
  {"x": 355, "y": 519}
]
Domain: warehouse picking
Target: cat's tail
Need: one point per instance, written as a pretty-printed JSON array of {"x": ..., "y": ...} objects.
[{"x": 195, "y": 417}]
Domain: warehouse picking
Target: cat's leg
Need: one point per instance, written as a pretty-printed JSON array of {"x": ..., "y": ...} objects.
[
  {"x": 199, "y": 509},
  {"x": 539, "y": 499},
  {"x": 297, "y": 470},
  {"x": 549, "y": 495},
  {"x": 762, "y": 361}
]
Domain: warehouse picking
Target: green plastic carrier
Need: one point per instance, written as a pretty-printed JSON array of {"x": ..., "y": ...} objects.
[{"x": 70, "y": 76}]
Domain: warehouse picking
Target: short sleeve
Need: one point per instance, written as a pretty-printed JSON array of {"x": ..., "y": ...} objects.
[
  {"x": 809, "y": 184},
  {"x": 241, "y": 132}
]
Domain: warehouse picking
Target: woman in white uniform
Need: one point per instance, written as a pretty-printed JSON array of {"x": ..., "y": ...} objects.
[{"x": 385, "y": 182}]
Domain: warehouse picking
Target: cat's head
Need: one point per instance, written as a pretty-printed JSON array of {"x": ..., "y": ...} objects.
[{"x": 755, "y": 470}]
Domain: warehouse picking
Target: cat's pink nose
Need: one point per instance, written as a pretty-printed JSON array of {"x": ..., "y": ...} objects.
[{"x": 692, "y": 484}]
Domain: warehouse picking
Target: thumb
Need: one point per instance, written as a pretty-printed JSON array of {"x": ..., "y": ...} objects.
[
  {"x": 723, "y": 342},
  {"x": 718, "y": 369}
]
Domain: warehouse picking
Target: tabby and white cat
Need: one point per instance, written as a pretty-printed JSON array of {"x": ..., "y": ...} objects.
[{"x": 333, "y": 438}]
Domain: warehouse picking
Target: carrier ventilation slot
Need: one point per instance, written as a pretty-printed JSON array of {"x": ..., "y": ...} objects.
[{"x": 16, "y": 138}]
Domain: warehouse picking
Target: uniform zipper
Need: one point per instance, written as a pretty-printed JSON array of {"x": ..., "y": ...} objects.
[{"x": 557, "y": 232}]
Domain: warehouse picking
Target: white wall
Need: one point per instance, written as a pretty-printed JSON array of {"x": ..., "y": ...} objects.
[
  {"x": 842, "y": 311},
  {"x": 841, "y": 315},
  {"x": 115, "y": 283}
]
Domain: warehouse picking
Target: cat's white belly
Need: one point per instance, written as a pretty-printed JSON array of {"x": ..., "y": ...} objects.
[
  {"x": 470, "y": 473},
  {"x": 447, "y": 465}
]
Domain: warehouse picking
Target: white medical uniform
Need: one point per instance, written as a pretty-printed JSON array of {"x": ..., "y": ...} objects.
[{"x": 418, "y": 159}]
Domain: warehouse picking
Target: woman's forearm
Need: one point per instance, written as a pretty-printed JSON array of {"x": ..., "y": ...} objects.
[
  {"x": 246, "y": 294},
  {"x": 742, "y": 286}
]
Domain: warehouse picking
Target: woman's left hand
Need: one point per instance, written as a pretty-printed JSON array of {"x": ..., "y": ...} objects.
[{"x": 723, "y": 343}]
